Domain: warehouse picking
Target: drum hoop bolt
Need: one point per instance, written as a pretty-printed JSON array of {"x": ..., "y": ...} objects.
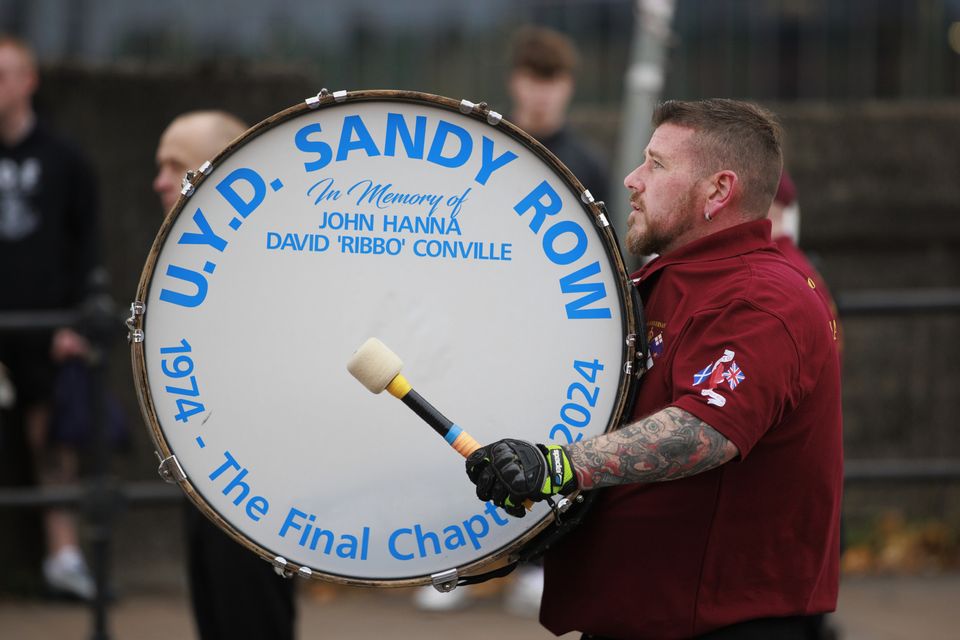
[
  {"x": 324, "y": 95},
  {"x": 445, "y": 581},
  {"x": 134, "y": 333},
  {"x": 170, "y": 469},
  {"x": 493, "y": 118}
]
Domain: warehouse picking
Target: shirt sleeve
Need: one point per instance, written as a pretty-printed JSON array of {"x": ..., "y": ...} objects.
[{"x": 736, "y": 368}]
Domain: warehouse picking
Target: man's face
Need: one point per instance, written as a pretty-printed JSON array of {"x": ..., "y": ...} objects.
[
  {"x": 18, "y": 80},
  {"x": 666, "y": 202},
  {"x": 541, "y": 102},
  {"x": 180, "y": 150}
]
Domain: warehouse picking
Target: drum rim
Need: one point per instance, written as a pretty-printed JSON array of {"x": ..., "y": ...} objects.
[{"x": 630, "y": 319}]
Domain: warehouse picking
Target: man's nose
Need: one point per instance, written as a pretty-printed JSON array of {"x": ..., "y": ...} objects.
[
  {"x": 633, "y": 181},
  {"x": 162, "y": 182}
]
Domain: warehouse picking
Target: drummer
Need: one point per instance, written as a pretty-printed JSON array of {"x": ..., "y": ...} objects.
[{"x": 718, "y": 506}]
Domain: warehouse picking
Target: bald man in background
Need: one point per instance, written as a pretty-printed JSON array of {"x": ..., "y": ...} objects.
[{"x": 234, "y": 593}]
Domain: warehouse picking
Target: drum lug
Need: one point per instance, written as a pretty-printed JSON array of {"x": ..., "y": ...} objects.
[
  {"x": 601, "y": 218},
  {"x": 493, "y": 118},
  {"x": 285, "y": 570},
  {"x": 134, "y": 333},
  {"x": 186, "y": 185},
  {"x": 170, "y": 469},
  {"x": 324, "y": 95},
  {"x": 628, "y": 368},
  {"x": 445, "y": 581}
]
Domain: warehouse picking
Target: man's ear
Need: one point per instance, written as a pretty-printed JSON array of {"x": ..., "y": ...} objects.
[{"x": 721, "y": 187}]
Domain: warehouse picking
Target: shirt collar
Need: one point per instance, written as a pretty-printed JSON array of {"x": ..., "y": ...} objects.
[{"x": 730, "y": 242}]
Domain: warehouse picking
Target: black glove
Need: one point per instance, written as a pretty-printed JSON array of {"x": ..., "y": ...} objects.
[{"x": 512, "y": 471}]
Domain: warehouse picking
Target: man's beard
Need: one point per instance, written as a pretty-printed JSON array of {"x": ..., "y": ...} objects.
[{"x": 656, "y": 236}]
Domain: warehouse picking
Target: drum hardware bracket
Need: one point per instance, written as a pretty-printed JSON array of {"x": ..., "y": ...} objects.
[
  {"x": 493, "y": 118},
  {"x": 135, "y": 334},
  {"x": 445, "y": 581},
  {"x": 186, "y": 185},
  {"x": 601, "y": 218},
  {"x": 631, "y": 341},
  {"x": 170, "y": 469},
  {"x": 325, "y": 94},
  {"x": 561, "y": 506},
  {"x": 285, "y": 570}
]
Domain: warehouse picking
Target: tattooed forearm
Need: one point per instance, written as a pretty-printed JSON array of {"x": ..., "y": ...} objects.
[{"x": 667, "y": 445}]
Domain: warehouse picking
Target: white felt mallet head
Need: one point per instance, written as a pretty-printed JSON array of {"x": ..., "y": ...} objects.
[{"x": 374, "y": 365}]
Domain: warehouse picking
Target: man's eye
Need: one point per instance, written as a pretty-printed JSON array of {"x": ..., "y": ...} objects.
[{"x": 657, "y": 164}]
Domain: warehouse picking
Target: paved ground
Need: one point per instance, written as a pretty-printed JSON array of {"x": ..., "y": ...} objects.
[{"x": 870, "y": 609}]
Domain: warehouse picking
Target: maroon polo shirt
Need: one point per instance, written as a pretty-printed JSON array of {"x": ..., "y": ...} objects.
[
  {"x": 740, "y": 340},
  {"x": 798, "y": 258}
]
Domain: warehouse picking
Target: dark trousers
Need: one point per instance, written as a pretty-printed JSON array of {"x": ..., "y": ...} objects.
[
  {"x": 792, "y": 628},
  {"x": 234, "y": 593}
]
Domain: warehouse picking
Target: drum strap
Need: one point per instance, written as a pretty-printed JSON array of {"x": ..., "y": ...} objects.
[{"x": 535, "y": 549}]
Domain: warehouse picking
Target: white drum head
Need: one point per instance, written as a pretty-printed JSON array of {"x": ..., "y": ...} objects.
[{"x": 461, "y": 245}]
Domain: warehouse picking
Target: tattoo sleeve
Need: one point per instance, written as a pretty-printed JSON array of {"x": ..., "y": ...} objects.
[{"x": 667, "y": 445}]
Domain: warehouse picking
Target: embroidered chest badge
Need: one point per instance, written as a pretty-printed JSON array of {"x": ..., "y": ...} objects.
[
  {"x": 654, "y": 342},
  {"x": 716, "y": 374}
]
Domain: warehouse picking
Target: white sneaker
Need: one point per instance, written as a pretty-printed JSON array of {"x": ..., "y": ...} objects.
[
  {"x": 429, "y": 599},
  {"x": 524, "y": 594},
  {"x": 67, "y": 572}
]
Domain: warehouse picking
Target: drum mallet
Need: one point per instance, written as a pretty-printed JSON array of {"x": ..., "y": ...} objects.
[{"x": 377, "y": 368}]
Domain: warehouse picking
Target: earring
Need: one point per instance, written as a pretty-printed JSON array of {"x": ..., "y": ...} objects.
[{"x": 708, "y": 216}]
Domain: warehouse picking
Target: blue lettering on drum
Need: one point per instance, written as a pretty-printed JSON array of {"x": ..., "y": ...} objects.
[
  {"x": 564, "y": 242},
  {"x": 312, "y": 536},
  {"x": 244, "y": 190},
  {"x": 407, "y": 543},
  {"x": 256, "y": 506},
  {"x": 451, "y": 146},
  {"x": 582, "y": 399}
]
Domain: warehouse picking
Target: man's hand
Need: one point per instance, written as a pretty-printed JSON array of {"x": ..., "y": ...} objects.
[{"x": 512, "y": 471}]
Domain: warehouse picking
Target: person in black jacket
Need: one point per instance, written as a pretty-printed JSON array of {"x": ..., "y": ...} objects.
[
  {"x": 48, "y": 232},
  {"x": 543, "y": 65},
  {"x": 234, "y": 593}
]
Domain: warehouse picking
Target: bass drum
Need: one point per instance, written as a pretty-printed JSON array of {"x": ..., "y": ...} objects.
[{"x": 429, "y": 223}]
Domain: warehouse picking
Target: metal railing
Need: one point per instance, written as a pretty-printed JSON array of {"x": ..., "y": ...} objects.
[
  {"x": 98, "y": 321},
  {"x": 102, "y": 498}
]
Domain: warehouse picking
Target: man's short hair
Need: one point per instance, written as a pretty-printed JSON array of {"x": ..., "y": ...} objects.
[
  {"x": 543, "y": 52},
  {"x": 739, "y": 136}
]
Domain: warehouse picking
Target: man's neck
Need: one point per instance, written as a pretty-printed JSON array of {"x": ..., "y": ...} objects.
[{"x": 17, "y": 126}]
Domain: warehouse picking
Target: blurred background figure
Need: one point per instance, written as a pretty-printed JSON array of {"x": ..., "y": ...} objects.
[
  {"x": 543, "y": 65},
  {"x": 234, "y": 594},
  {"x": 541, "y": 82},
  {"x": 784, "y": 218},
  {"x": 48, "y": 233}
]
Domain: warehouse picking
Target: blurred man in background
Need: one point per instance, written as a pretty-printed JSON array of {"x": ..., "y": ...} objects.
[
  {"x": 543, "y": 65},
  {"x": 784, "y": 218},
  {"x": 234, "y": 593},
  {"x": 48, "y": 234}
]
